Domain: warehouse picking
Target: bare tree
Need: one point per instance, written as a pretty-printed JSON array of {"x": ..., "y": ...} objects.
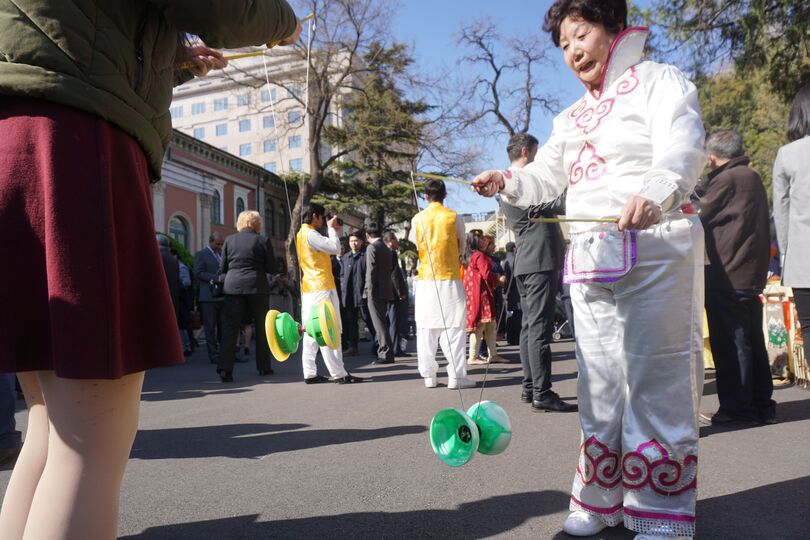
[{"x": 507, "y": 88}]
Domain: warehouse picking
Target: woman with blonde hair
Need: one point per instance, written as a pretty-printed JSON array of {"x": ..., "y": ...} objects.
[{"x": 247, "y": 259}]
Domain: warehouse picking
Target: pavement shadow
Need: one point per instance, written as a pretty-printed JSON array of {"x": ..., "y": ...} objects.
[
  {"x": 762, "y": 513},
  {"x": 241, "y": 441},
  {"x": 786, "y": 411},
  {"x": 478, "y": 519}
]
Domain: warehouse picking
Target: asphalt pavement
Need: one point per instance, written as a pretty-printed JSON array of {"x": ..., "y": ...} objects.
[{"x": 271, "y": 457}]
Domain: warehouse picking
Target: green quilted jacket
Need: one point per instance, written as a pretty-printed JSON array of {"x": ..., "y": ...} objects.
[{"x": 116, "y": 58}]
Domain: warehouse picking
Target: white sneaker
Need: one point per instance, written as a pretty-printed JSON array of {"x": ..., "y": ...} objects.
[
  {"x": 580, "y": 523},
  {"x": 431, "y": 382},
  {"x": 656, "y": 537},
  {"x": 453, "y": 384}
]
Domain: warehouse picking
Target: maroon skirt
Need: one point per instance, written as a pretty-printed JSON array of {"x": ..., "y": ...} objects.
[{"x": 82, "y": 287}]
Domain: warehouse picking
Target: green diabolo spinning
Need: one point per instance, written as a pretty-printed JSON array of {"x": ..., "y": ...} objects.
[
  {"x": 455, "y": 435},
  {"x": 284, "y": 334}
]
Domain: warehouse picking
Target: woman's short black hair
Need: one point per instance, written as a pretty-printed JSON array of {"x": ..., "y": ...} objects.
[
  {"x": 612, "y": 14},
  {"x": 799, "y": 121}
]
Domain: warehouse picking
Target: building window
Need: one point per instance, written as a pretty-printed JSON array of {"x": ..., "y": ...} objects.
[
  {"x": 199, "y": 133},
  {"x": 244, "y": 125},
  {"x": 294, "y": 90},
  {"x": 240, "y": 206},
  {"x": 268, "y": 95},
  {"x": 295, "y": 141},
  {"x": 293, "y": 117},
  {"x": 178, "y": 229},
  {"x": 198, "y": 108},
  {"x": 269, "y": 145},
  {"x": 216, "y": 207},
  {"x": 270, "y": 166},
  {"x": 268, "y": 122},
  {"x": 296, "y": 164},
  {"x": 176, "y": 112},
  {"x": 222, "y": 129},
  {"x": 244, "y": 149},
  {"x": 269, "y": 220},
  {"x": 243, "y": 100},
  {"x": 221, "y": 104}
]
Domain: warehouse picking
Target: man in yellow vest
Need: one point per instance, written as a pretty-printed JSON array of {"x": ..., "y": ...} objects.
[
  {"x": 318, "y": 283},
  {"x": 440, "y": 300}
]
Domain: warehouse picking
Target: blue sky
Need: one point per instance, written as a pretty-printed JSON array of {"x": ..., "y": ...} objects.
[{"x": 431, "y": 27}]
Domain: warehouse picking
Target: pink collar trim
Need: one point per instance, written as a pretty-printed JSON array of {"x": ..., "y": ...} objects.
[{"x": 625, "y": 52}]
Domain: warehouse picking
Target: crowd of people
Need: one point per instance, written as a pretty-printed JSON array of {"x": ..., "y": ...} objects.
[{"x": 648, "y": 249}]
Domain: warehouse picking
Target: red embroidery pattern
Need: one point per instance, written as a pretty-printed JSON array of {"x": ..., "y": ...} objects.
[
  {"x": 576, "y": 111},
  {"x": 590, "y": 118},
  {"x": 628, "y": 83},
  {"x": 650, "y": 465},
  {"x": 598, "y": 464},
  {"x": 589, "y": 165}
]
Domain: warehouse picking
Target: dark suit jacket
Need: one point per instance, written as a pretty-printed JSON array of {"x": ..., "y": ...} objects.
[
  {"x": 206, "y": 269},
  {"x": 247, "y": 258},
  {"x": 380, "y": 271},
  {"x": 352, "y": 279},
  {"x": 172, "y": 269},
  {"x": 539, "y": 247}
]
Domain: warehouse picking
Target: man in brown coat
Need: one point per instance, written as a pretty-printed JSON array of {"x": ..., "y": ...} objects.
[{"x": 734, "y": 212}]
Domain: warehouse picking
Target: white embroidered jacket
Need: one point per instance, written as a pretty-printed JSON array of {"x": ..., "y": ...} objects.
[{"x": 642, "y": 136}]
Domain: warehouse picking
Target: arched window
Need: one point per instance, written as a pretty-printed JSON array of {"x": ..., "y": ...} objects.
[
  {"x": 285, "y": 221},
  {"x": 216, "y": 207},
  {"x": 269, "y": 223},
  {"x": 240, "y": 206},
  {"x": 178, "y": 229}
]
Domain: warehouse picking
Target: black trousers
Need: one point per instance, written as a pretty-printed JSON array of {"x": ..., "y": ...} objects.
[
  {"x": 398, "y": 322},
  {"x": 744, "y": 384},
  {"x": 513, "y": 326},
  {"x": 538, "y": 297},
  {"x": 351, "y": 326},
  {"x": 212, "y": 323},
  {"x": 378, "y": 309},
  {"x": 239, "y": 307},
  {"x": 802, "y": 299}
]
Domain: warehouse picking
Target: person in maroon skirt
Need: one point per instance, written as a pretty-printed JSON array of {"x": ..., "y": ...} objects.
[{"x": 85, "y": 89}]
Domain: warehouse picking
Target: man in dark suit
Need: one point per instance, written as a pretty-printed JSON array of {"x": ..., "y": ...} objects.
[
  {"x": 352, "y": 295},
  {"x": 538, "y": 258},
  {"x": 172, "y": 269},
  {"x": 398, "y": 311},
  {"x": 514, "y": 321},
  {"x": 206, "y": 270},
  {"x": 380, "y": 289}
]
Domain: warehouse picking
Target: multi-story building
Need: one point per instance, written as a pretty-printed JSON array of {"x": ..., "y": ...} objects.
[{"x": 253, "y": 109}]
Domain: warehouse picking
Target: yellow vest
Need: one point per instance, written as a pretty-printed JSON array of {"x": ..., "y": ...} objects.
[
  {"x": 440, "y": 233},
  {"x": 316, "y": 266}
]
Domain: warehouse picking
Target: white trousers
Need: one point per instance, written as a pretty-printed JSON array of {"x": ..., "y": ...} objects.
[
  {"x": 452, "y": 343},
  {"x": 331, "y": 357},
  {"x": 639, "y": 351}
]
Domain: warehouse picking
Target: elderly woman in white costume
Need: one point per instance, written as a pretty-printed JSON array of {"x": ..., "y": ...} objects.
[{"x": 631, "y": 148}]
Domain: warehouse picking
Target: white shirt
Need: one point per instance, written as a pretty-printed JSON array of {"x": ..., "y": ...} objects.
[
  {"x": 642, "y": 136},
  {"x": 319, "y": 242}
]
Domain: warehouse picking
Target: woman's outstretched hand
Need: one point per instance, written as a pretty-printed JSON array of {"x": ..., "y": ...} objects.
[
  {"x": 639, "y": 213},
  {"x": 204, "y": 59},
  {"x": 488, "y": 183}
]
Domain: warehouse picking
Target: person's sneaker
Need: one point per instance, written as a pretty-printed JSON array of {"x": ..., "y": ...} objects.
[
  {"x": 552, "y": 402},
  {"x": 317, "y": 379},
  {"x": 349, "y": 379},
  {"x": 454, "y": 384},
  {"x": 580, "y": 523},
  {"x": 477, "y": 361},
  {"x": 654, "y": 537},
  {"x": 431, "y": 382}
]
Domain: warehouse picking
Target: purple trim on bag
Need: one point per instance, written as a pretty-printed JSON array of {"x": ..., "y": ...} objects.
[{"x": 568, "y": 277}]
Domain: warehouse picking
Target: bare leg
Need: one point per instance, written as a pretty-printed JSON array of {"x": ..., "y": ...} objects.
[
  {"x": 92, "y": 427},
  {"x": 30, "y": 463}
]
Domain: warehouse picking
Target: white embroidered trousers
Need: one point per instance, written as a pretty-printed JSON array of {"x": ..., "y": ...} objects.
[
  {"x": 639, "y": 351},
  {"x": 331, "y": 357}
]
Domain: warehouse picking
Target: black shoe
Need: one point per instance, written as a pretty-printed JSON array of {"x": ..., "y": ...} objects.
[
  {"x": 10, "y": 453},
  {"x": 551, "y": 402},
  {"x": 239, "y": 360},
  {"x": 317, "y": 379},
  {"x": 722, "y": 417},
  {"x": 247, "y": 351},
  {"x": 526, "y": 397},
  {"x": 187, "y": 352},
  {"x": 351, "y": 351},
  {"x": 384, "y": 361},
  {"x": 225, "y": 376},
  {"x": 263, "y": 372},
  {"x": 349, "y": 379}
]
